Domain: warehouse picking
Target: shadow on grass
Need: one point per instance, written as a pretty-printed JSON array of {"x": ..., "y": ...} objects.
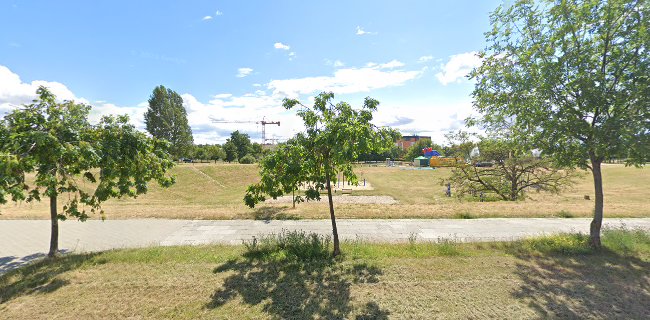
[
  {"x": 601, "y": 284},
  {"x": 39, "y": 277},
  {"x": 294, "y": 289},
  {"x": 268, "y": 213}
]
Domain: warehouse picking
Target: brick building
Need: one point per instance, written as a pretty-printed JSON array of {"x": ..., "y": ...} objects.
[{"x": 407, "y": 141}]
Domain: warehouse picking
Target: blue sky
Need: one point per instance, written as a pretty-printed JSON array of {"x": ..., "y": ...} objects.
[{"x": 236, "y": 60}]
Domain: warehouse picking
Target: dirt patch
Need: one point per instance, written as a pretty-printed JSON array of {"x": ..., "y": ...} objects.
[{"x": 345, "y": 199}]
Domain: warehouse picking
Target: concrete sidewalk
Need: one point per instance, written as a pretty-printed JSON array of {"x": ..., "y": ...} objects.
[{"x": 24, "y": 240}]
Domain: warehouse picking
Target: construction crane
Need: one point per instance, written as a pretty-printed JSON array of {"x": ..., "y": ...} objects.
[{"x": 263, "y": 122}]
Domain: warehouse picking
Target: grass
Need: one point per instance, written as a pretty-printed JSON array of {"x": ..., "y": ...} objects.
[
  {"x": 215, "y": 191},
  {"x": 292, "y": 276}
]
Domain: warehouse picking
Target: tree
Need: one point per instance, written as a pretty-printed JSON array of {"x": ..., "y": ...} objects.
[
  {"x": 508, "y": 172},
  {"x": 215, "y": 152},
  {"x": 460, "y": 144},
  {"x": 282, "y": 173},
  {"x": 242, "y": 142},
  {"x": 256, "y": 150},
  {"x": 166, "y": 119},
  {"x": 416, "y": 149},
  {"x": 57, "y": 143},
  {"x": 230, "y": 150},
  {"x": 572, "y": 78},
  {"x": 335, "y": 136}
]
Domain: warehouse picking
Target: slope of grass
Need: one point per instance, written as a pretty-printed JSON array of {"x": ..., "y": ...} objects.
[
  {"x": 215, "y": 191},
  {"x": 550, "y": 277}
]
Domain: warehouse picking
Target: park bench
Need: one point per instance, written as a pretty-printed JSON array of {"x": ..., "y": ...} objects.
[{"x": 346, "y": 191}]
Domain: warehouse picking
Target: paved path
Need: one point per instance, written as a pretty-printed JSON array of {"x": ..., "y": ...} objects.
[{"x": 24, "y": 240}]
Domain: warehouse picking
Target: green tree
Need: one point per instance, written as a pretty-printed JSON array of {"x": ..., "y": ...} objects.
[
  {"x": 242, "y": 142},
  {"x": 230, "y": 150},
  {"x": 166, "y": 119},
  {"x": 571, "y": 78},
  {"x": 335, "y": 136},
  {"x": 510, "y": 174},
  {"x": 282, "y": 173},
  {"x": 416, "y": 149},
  {"x": 256, "y": 150},
  {"x": 215, "y": 152},
  {"x": 460, "y": 144},
  {"x": 57, "y": 143}
]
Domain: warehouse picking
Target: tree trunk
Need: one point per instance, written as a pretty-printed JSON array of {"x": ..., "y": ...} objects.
[
  {"x": 293, "y": 198},
  {"x": 54, "y": 237},
  {"x": 597, "y": 222},
  {"x": 335, "y": 232}
]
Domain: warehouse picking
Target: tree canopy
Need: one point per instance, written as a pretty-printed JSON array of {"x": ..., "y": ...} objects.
[
  {"x": 166, "y": 119},
  {"x": 335, "y": 136},
  {"x": 416, "y": 149},
  {"x": 508, "y": 172},
  {"x": 281, "y": 173},
  {"x": 68, "y": 155},
  {"x": 570, "y": 78}
]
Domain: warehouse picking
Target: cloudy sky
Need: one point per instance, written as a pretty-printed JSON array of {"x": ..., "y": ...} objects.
[{"x": 236, "y": 60}]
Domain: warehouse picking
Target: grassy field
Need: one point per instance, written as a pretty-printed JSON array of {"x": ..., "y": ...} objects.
[
  {"x": 215, "y": 191},
  {"x": 553, "y": 277}
]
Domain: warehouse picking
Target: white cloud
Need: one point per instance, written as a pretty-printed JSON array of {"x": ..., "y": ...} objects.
[
  {"x": 207, "y": 18},
  {"x": 282, "y": 46},
  {"x": 14, "y": 92},
  {"x": 361, "y": 32},
  {"x": 338, "y": 64},
  {"x": 427, "y": 116},
  {"x": 243, "y": 72},
  {"x": 391, "y": 65},
  {"x": 423, "y": 59},
  {"x": 347, "y": 80},
  {"x": 458, "y": 67},
  {"x": 257, "y": 106},
  {"x": 218, "y": 13},
  {"x": 292, "y": 55}
]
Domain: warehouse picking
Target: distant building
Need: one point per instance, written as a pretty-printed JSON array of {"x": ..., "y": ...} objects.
[{"x": 407, "y": 141}]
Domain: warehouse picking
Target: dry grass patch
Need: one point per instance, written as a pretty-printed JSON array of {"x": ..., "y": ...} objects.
[
  {"x": 215, "y": 191},
  {"x": 556, "y": 277}
]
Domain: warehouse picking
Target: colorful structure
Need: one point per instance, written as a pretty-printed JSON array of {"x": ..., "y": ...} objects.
[
  {"x": 435, "y": 159},
  {"x": 429, "y": 152}
]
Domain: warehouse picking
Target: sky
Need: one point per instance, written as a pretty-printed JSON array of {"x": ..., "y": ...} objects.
[{"x": 237, "y": 60}]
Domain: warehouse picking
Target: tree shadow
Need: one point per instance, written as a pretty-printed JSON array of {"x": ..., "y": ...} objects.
[
  {"x": 296, "y": 289},
  {"x": 39, "y": 277},
  {"x": 268, "y": 213},
  {"x": 599, "y": 285}
]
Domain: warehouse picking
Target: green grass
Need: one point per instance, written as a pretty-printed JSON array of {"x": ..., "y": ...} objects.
[{"x": 291, "y": 275}]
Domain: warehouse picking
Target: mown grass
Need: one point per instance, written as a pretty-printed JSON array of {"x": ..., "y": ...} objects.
[
  {"x": 215, "y": 191},
  {"x": 292, "y": 275}
]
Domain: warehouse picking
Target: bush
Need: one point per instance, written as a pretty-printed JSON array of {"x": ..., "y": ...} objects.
[
  {"x": 247, "y": 159},
  {"x": 564, "y": 244},
  {"x": 626, "y": 242},
  {"x": 289, "y": 245}
]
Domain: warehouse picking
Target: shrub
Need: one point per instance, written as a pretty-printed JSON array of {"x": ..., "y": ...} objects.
[
  {"x": 247, "y": 159},
  {"x": 289, "y": 245}
]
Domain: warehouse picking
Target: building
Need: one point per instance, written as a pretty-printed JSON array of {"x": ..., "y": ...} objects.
[{"x": 407, "y": 141}]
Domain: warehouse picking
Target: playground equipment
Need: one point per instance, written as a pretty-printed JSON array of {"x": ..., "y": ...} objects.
[
  {"x": 437, "y": 160},
  {"x": 444, "y": 162}
]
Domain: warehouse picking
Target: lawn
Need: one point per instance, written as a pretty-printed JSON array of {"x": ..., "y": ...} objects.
[
  {"x": 538, "y": 278},
  {"x": 215, "y": 191}
]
